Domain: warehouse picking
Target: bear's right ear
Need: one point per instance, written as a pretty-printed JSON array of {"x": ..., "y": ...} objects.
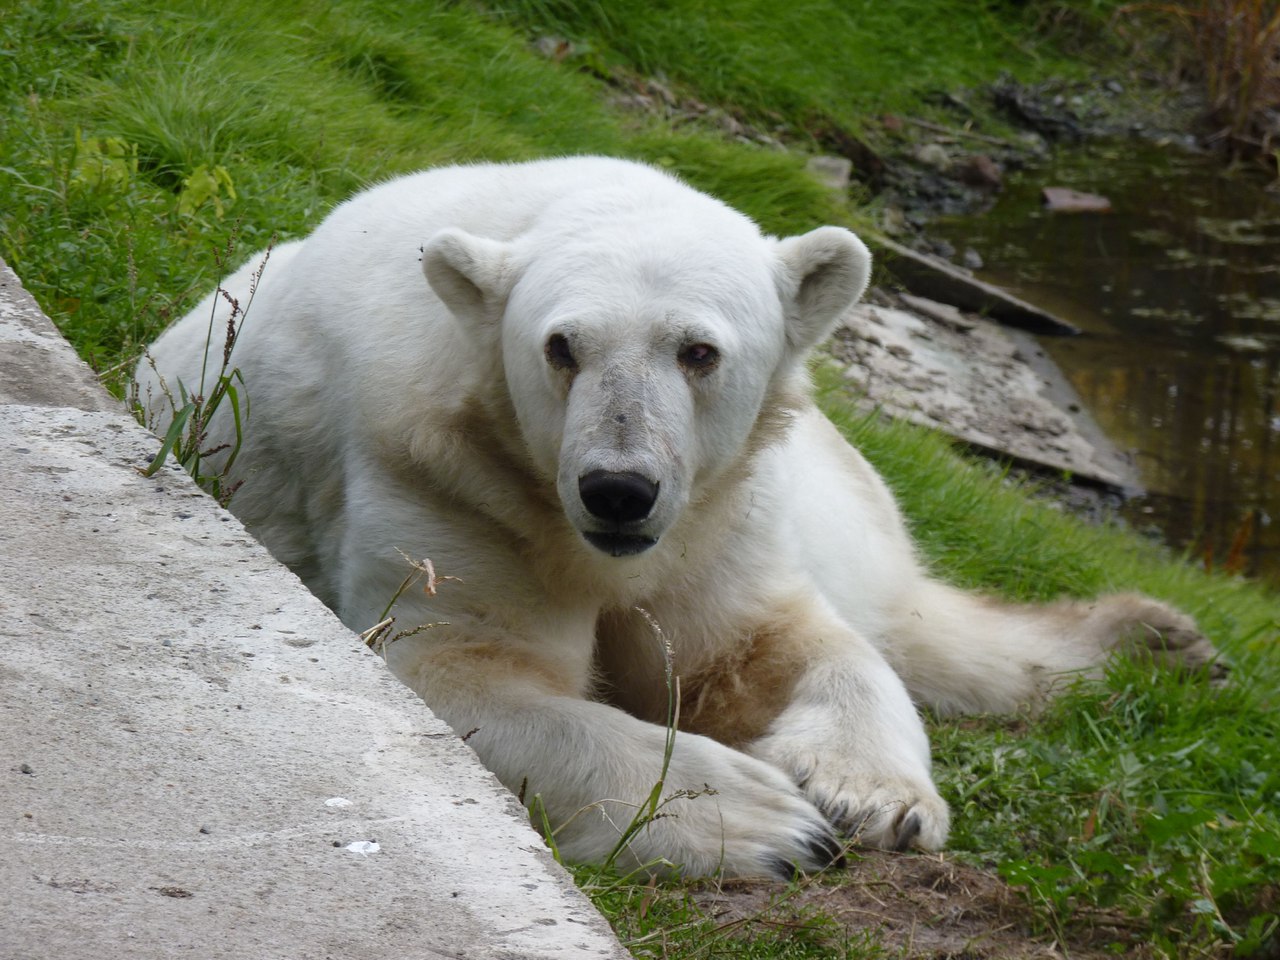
[{"x": 470, "y": 274}]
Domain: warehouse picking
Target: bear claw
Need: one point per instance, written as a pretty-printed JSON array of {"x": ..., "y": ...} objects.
[
  {"x": 908, "y": 830},
  {"x": 827, "y": 851}
]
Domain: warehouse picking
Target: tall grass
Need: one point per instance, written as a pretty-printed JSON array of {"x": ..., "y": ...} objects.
[
  {"x": 1237, "y": 54},
  {"x": 298, "y": 106},
  {"x": 1239, "y": 46}
]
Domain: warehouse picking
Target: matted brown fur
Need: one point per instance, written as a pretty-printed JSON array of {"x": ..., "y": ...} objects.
[
  {"x": 483, "y": 431},
  {"x": 733, "y": 699},
  {"x": 487, "y": 429},
  {"x": 736, "y": 698}
]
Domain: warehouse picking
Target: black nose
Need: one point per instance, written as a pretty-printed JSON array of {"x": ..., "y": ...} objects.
[{"x": 617, "y": 497}]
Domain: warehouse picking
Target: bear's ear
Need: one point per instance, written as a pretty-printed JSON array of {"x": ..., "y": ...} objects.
[
  {"x": 821, "y": 275},
  {"x": 470, "y": 274}
]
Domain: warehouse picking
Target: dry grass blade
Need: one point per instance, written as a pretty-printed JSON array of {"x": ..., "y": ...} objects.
[{"x": 1237, "y": 46}]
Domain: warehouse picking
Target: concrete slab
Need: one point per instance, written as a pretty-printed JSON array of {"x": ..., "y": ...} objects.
[
  {"x": 37, "y": 365},
  {"x": 196, "y": 757}
]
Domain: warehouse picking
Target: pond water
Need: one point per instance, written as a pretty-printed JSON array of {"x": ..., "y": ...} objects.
[{"x": 1177, "y": 290}]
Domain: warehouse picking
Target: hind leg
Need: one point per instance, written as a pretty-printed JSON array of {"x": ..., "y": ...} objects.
[
  {"x": 955, "y": 651},
  {"x": 962, "y": 653}
]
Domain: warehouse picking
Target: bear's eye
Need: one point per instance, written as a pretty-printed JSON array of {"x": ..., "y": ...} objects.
[
  {"x": 699, "y": 357},
  {"x": 559, "y": 355}
]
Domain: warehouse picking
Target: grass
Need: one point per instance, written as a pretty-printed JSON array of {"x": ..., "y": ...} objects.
[
  {"x": 142, "y": 143},
  {"x": 288, "y": 113},
  {"x": 803, "y": 64},
  {"x": 189, "y": 87}
]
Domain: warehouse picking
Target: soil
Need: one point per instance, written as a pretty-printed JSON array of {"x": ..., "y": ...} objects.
[{"x": 919, "y": 907}]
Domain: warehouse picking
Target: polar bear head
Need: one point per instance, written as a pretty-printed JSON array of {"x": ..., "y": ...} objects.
[{"x": 643, "y": 340}]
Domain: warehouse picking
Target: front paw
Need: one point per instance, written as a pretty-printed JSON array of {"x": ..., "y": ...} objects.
[
  {"x": 875, "y": 804},
  {"x": 723, "y": 813}
]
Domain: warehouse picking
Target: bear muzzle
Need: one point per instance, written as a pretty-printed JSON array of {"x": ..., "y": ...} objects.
[{"x": 620, "y": 501}]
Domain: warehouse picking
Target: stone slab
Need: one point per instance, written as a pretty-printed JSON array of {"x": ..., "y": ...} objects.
[
  {"x": 985, "y": 384},
  {"x": 196, "y": 757},
  {"x": 938, "y": 280}
]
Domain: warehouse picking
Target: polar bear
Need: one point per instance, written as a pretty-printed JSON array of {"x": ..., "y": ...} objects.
[{"x": 578, "y": 387}]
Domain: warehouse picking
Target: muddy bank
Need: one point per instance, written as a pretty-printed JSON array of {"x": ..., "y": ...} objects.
[
  {"x": 992, "y": 387},
  {"x": 1123, "y": 224},
  {"x": 930, "y": 169},
  {"x": 1178, "y": 290}
]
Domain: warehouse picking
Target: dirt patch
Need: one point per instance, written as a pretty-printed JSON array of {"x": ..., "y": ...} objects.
[{"x": 920, "y": 907}]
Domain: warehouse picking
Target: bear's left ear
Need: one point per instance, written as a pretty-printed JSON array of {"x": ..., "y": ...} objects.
[
  {"x": 470, "y": 274},
  {"x": 821, "y": 275}
]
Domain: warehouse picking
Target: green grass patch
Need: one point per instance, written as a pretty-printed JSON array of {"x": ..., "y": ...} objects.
[
  {"x": 809, "y": 63},
  {"x": 138, "y": 138},
  {"x": 145, "y": 147},
  {"x": 288, "y": 113}
]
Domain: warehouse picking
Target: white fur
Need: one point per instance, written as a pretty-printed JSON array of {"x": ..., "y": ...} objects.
[{"x": 396, "y": 413}]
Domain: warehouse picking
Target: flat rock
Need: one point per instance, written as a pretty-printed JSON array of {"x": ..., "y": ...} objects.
[
  {"x": 984, "y": 384},
  {"x": 943, "y": 313},
  {"x": 938, "y": 280},
  {"x": 835, "y": 173},
  {"x": 1066, "y": 200}
]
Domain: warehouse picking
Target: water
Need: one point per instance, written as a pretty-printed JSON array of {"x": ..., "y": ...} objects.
[{"x": 1178, "y": 292}]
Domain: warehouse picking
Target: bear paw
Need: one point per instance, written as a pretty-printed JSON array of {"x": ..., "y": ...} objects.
[
  {"x": 874, "y": 805},
  {"x": 723, "y": 813},
  {"x": 1169, "y": 636},
  {"x": 889, "y": 814}
]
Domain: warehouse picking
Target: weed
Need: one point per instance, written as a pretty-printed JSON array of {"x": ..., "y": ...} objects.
[
  {"x": 380, "y": 636},
  {"x": 649, "y": 809},
  {"x": 603, "y": 878},
  {"x": 1237, "y": 47},
  {"x": 193, "y": 410}
]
